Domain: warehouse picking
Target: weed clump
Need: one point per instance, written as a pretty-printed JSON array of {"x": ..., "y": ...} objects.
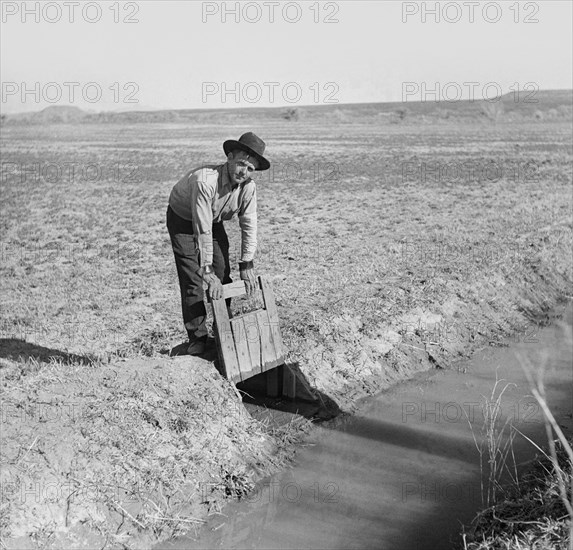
[{"x": 531, "y": 515}]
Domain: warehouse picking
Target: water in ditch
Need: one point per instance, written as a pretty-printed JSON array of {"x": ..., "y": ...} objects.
[{"x": 404, "y": 472}]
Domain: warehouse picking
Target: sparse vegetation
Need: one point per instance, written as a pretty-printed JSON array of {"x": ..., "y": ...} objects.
[
  {"x": 88, "y": 280},
  {"x": 402, "y": 113},
  {"x": 495, "y": 446},
  {"x": 531, "y": 515},
  {"x": 291, "y": 113},
  {"x": 493, "y": 110},
  {"x": 534, "y": 510}
]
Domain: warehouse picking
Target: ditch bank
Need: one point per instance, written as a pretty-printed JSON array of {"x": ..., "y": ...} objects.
[
  {"x": 415, "y": 461},
  {"x": 129, "y": 453}
]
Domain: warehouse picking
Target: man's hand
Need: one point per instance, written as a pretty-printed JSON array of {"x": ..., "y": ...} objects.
[
  {"x": 247, "y": 272},
  {"x": 215, "y": 287}
]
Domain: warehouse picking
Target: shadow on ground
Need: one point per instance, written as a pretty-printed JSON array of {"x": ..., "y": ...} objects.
[
  {"x": 308, "y": 402},
  {"x": 18, "y": 350}
]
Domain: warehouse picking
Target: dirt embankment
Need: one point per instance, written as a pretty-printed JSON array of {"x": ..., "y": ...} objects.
[
  {"x": 122, "y": 452},
  {"x": 132, "y": 452},
  {"x": 380, "y": 278}
]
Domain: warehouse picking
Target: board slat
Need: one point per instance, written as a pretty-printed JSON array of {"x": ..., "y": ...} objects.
[
  {"x": 272, "y": 382},
  {"x": 267, "y": 348},
  {"x": 242, "y": 348},
  {"x": 273, "y": 316},
  {"x": 289, "y": 383},
  {"x": 253, "y": 335},
  {"x": 303, "y": 389},
  {"x": 224, "y": 335},
  {"x": 231, "y": 290}
]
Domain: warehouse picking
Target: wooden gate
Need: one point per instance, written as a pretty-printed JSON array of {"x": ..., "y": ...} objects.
[{"x": 250, "y": 343}]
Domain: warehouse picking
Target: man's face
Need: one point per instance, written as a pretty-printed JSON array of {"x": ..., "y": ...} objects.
[{"x": 241, "y": 166}]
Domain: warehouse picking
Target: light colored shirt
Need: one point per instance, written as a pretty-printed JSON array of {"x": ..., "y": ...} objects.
[{"x": 206, "y": 196}]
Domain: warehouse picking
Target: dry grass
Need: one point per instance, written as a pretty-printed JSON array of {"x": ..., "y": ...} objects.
[
  {"x": 532, "y": 515},
  {"x": 370, "y": 271},
  {"x": 534, "y": 512},
  {"x": 126, "y": 449},
  {"x": 495, "y": 446}
]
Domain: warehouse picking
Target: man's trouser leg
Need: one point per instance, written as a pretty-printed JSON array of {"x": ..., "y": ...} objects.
[
  {"x": 190, "y": 281},
  {"x": 221, "y": 265},
  {"x": 187, "y": 263}
]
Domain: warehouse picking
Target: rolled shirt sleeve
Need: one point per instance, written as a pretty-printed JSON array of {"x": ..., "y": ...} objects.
[
  {"x": 203, "y": 193},
  {"x": 248, "y": 222}
]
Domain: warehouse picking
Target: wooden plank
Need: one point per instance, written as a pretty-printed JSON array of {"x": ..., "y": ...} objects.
[
  {"x": 272, "y": 382},
  {"x": 224, "y": 336},
  {"x": 231, "y": 290},
  {"x": 242, "y": 315},
  {"x": 289, "y": 383},
  {"x": 303, "y": 389},
  {"x": 236, "y": 288},
  {"x": 268, "y": 357},
  {"x": 273, "y": 317},
  {"x": 242, "y": 347},
  {"x": 253, "y": 334}
]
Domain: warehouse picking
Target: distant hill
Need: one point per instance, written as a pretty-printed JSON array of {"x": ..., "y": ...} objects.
[
  {"x": 55, "y": 114},
  {"x": 543, "y": 104}
]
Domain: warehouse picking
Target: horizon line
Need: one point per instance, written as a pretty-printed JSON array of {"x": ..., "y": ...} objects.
[{"x": 269, "y": 107}]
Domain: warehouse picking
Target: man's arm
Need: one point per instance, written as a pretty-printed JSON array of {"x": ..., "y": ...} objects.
[
  {"x": 201, "y": 206},
  {"x": 203, "y": 192},
  {"x": 248, "y": 223}
]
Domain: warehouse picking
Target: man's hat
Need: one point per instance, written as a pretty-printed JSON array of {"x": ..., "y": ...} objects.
[{"x": 251, "y": 144}]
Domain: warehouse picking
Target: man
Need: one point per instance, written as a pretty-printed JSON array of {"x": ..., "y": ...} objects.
[{"x": 198, "y": 205}]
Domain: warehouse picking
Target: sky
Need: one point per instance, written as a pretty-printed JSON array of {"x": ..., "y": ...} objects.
[{"x": 111, "y": 55}]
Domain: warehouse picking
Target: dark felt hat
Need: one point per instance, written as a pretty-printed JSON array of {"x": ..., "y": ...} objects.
[{"x": 252, "y": 144}]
